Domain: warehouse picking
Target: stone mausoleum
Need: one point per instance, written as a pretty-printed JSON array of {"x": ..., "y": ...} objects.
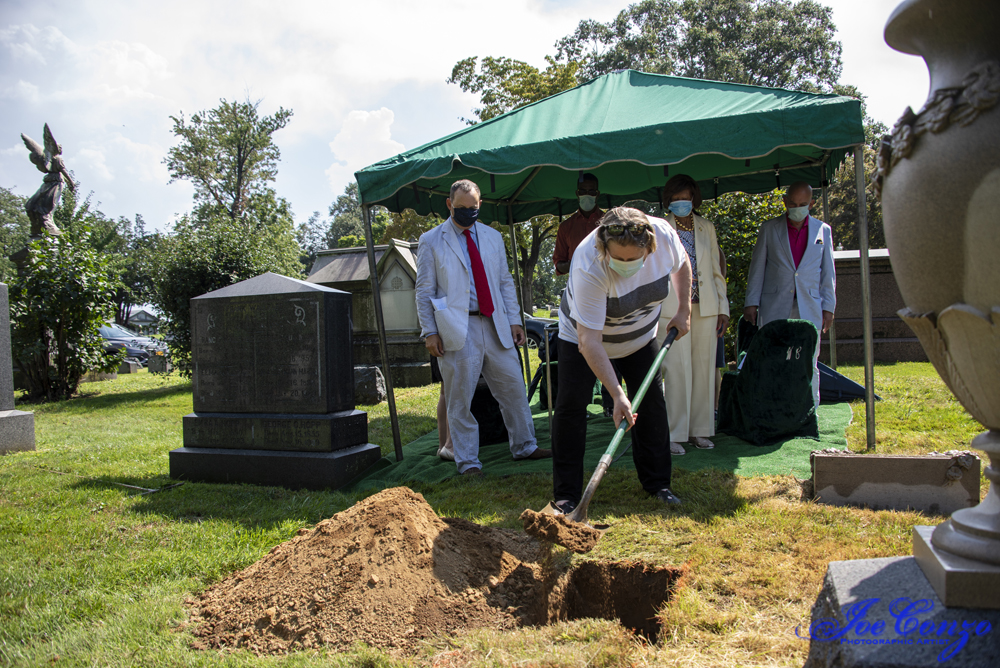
[{"x": 396, "y": 263}]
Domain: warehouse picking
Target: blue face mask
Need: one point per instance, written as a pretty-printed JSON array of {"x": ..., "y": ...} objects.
[
  {"x": 626, "y": 268},
  {"x": 465, "y": 217},
  {"x": 587, "y": 202},
  {"x": 798, "y": 213},
  {"x": 681, "y": 207}
]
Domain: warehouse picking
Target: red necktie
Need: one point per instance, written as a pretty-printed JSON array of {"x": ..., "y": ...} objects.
[{"x": 479, "y": 276}]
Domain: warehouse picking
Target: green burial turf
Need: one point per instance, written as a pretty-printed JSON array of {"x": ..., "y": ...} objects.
[{"x": 421, "y": 463}]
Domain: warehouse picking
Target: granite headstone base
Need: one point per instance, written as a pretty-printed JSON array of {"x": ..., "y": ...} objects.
[
  {"x": 883, "y": 613},
  {"x": 276, "y": 431},
  {"x": 956, "y": 580},
  {"x": 17, "y": 431},
  {"x": 294, "y": 470}
]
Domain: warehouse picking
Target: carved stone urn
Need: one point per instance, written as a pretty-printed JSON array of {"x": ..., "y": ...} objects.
[{"x": 939, "y": 177}]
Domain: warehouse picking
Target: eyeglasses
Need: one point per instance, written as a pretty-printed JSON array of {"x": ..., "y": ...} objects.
[
  {"x": 588, "y": 191},
  {"x": 638, "y": 231}
]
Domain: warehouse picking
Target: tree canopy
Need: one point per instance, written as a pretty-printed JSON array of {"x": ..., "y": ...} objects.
[
  {"x": 777, "y": 43},
  {"x": 228, "y": 153}
]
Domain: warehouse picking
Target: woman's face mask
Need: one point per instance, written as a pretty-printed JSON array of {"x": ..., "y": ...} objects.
[
  {"x": 626, "y": 268},
  {"x": 681, "y": 207}
]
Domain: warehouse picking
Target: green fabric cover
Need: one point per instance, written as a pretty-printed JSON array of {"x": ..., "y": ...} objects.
[
  {"x": 629, "y": 128},
  {"x": 790, "y": 457},
  {"x": 771, "y": 397}
]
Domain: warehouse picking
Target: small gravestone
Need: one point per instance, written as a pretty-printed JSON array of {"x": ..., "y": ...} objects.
[
  {"x": 158, "y": 364},
  {"x": 273, "y": 388},
  {"x": 17, "y": 428},
  {"x": 128, "y": 366},
  {"x": 369, "y": 385}
]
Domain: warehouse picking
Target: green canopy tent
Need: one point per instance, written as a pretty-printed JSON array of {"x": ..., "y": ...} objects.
[{"x": 632, "y": 130}]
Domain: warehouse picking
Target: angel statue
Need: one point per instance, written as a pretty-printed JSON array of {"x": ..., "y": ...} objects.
[{"x": 43, "y": 203}]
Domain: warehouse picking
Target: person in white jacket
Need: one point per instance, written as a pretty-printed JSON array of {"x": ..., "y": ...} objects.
[
  {"x": 467, "y": 306},
  {"x": 689, "y": 370},
  {"x": 792, "y": 275}
]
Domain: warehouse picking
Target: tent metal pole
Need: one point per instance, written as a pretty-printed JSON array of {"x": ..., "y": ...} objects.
[
  {"x": 517, "y": 274},
  {"x": 524, "y": 184},
  {"x": 866, "y": 306},
  {"x": 380, "y": 325},
  {"x": 826, "y": 219}
]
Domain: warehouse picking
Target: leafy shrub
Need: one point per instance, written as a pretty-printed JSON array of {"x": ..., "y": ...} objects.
[{"x": 57, "y": 306}]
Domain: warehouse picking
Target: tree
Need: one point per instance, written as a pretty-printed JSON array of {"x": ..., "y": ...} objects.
[
  {"x": 531, "y": 237},
  {"x": 311, "y": 237},
  {"x": 347, "y": 224},
  {"x": 134, "y": 252},
  {"x": 57, "y": 308},
  {"x": 14, "y": 231},
  {"x": 209, "y": 254},
  {"x": 504, "y": 83},
  {"x": 776, "y": 43},
  {"x": 228, "y": 153}
]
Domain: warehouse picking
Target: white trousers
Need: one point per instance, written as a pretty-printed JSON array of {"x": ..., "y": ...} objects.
[
  {"x": 689, "y": 378},
  {"x": 794, "y": 315},
  {"x": 460, "y": 369}
]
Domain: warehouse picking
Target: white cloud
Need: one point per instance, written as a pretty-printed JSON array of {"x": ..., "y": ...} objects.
[
  {"x": 29, "y": 44},
  {"x": 22, "y": 91},
  {"x": 92, "y": 161},
  {"x": 364, "y": 138}
]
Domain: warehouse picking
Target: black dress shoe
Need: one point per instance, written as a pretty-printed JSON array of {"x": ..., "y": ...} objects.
[
  {"x": 565, "y": 507},
  {"x": 667, "y": 497},
  {"x": 539, "y": 453}
]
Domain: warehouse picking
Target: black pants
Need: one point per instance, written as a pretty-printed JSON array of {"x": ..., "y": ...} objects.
[{"x": 651, "y": 449}]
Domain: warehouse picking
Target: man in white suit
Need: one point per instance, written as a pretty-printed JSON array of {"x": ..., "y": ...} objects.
[
  {"x": 791, "y": 272},
  {"x": 467, "y": 305}
]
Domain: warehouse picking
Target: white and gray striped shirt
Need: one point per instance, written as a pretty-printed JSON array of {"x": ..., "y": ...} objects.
[{"x": 625, "y": 309}]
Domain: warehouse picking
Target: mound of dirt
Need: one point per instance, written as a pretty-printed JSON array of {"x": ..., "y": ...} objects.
[{"x": 389, "y": 572}]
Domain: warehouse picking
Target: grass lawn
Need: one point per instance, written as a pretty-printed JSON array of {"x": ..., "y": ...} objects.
[{"x": 95, "y": 572}]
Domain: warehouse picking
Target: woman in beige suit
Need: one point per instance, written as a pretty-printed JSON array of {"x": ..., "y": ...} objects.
[{"x": 689, "y": 373}]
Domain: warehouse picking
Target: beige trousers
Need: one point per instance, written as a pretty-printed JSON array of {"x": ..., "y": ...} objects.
[{"x": 689, "y": 378}]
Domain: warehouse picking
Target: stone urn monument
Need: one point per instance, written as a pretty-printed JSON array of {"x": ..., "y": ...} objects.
[{"x": 939, "y": 177}]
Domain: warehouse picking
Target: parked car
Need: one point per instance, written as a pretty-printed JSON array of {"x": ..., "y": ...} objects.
[
  {"x": 535, "y": 329},
  {"x": 136, "y": 347}
]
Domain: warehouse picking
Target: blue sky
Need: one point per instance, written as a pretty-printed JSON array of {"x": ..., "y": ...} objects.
[{"x": 365, "y": 80}]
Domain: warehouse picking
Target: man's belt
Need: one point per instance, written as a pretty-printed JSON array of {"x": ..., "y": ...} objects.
[{"x": 472, "y": 313}]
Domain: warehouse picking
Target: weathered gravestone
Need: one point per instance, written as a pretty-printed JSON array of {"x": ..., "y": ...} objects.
[
  {"x": 17, "y": 428},
  {"x": 273, "y": 388}
]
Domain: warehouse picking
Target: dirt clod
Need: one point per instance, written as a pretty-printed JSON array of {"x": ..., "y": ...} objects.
[{"x": 559, "y": 529}]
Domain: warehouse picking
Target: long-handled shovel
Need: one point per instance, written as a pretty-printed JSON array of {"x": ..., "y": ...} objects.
[{"x": 573, "y": 531}]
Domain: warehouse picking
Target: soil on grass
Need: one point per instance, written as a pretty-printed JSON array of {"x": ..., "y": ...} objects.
[
  {"x": 559, "y": 529},
  {"x": 390, "y": 573}
]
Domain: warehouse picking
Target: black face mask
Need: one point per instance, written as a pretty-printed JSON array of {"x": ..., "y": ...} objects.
[{"x": 465, "y": 217}]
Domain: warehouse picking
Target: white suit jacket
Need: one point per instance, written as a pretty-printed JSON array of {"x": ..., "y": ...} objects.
[
  {"x": 712, "y": 299},
  {"x": 443, "y": 284},
  {"x": 774, "y": 282}
]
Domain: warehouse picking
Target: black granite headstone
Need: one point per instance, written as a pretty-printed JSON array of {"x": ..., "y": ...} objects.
[{"x": 273, "y": 388}]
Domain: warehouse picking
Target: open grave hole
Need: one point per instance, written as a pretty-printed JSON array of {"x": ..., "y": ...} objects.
[{"x": 390, "y": 573}]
